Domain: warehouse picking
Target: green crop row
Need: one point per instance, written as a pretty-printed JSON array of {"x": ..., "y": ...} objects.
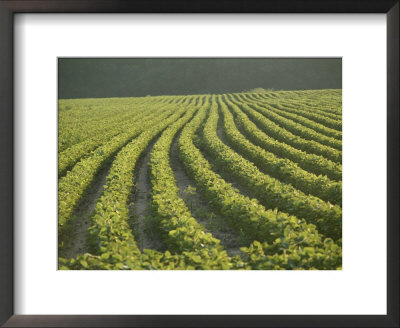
[
  {"x": 85, "y": 118},
  {"x": 301, "y": 238},
  {"x": 327, "y": 256},
  {"x": 307, "y": 108},
  {"x": 293, "y": 127},
  {"x": 110, "y": 232},
  {"x": 332, "y": 104},
  {"x": 275, "y": 131},
  {"x": 281, "y": 169},
  {"x": 332, "y": 121},
  {"x": 286, "y": 234},
  {"x": 296, "y": 115},
  {"x": 68, "y": 158},
  {"x": 180, "y": 231},
  {"x": 111, "y": 240},
  {"x": 310, "y": 162},
  {"x": 269, "y": 191},
  {"x": 85, "y": 121},
  {"x": 318, "y": 103},
  {"x": 74, "y": 184},
  {"x": 205, "y": 259}
]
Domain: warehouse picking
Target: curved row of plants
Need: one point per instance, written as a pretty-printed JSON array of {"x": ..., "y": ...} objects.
[
  {"x": 298, "y": 107},
  {"x": 74, "y": 184},
  {"x": 276, "y": 240},
  {"x": 328, "y": 103},
  {"x": 307, "y": 108},
  {"x": 269, "y": 191},
  {"x": 316, "y": 164},
  {"x": 333, "y": 129},
  {"x": 149, "y": 259},
  {"x": 293, "y": 127},
  {"x": 286, "y": 238},
  {"x": 79, "y": 131},
  {"x": 332, "y": 121},
  {"x": 111, "y": 241},
  {"x": 79, "y": 123},
  {"x": 68, "y": 158},
  {"x": 111, "y": 214},
  {"x": 180, "y": 231},
  {"x": 275, "y": 131},
  {"x": 282, "y": 169}
]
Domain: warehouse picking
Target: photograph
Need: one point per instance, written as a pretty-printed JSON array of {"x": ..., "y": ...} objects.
[{"x": 199, "y": 163}]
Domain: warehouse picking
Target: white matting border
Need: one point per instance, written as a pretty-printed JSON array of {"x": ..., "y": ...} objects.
[{"x": 360, "y": 288}]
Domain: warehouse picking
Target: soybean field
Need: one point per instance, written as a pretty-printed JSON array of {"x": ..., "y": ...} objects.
[{"x": 240, "y": 181}]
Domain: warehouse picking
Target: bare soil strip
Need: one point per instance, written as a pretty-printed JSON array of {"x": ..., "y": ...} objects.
[
  {"x": 220, "y": 133},
  {"x": 144, "y": 228},
  {"x": 224, "y": 176},
  {"x": 81, "y": 217},
  {"x": 199, "y": 207}
]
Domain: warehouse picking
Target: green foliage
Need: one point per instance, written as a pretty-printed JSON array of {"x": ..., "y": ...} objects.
[
  {"x": 72, "y": 187},
  {"x": 110, "y": 231},
  {"x": 289, "y": 256},
  {"x": 291, "y": 223},
  {"x": 329, "y": 124},
  {"x": 274, "y": 130},
  {"x": 205, "y": 259},
  {"x": 180, "y": 230},
  {"x": 316, "y": 164},
  {"x": 269, "y": 191},
  {"x": 125, "y": 127},
  {"x": 241, "y": 213},
  {"x": 282, "y": 169},
  {"x": 298, "y": 124}
]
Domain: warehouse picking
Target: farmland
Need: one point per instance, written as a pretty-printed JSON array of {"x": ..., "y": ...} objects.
[{"x": 248, "y": 180}]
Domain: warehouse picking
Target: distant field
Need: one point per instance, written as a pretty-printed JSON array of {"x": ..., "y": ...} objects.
[{"x": 234, "y": 181}]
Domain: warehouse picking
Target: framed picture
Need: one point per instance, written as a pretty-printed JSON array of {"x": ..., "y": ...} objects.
[{"x": 202, "y": 164}]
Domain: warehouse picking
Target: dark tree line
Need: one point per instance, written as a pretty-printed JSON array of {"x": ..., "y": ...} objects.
[{"x": 131, "y": 77}]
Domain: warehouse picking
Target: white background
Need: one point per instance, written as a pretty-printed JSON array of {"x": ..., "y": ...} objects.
[{"x": 360, "y": 288}]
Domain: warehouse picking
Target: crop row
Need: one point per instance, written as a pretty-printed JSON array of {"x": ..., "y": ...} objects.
[
  {"x": 275, "y": 131},
  {"x": 269, "y": 191},
  {"x": 276, "y": 240},
  {"x": 316, "y": 164},
  {"x": 317, "y": 106},
  {"x": 82, "y": 122},
  {"x": 85, "y": 119},
  {"x": 296, "y": 115},
  {"x": 110, "y": 233},
  {"x": 286, "y": 235},
  {"x": 327, "y": 101},
  {"x": 332, "y": 121},
  {"x": 295, "y": 128},
  {"x": 111, "y": 240},
  {"x": 74, "y": 184},
  {"x": 68, "y": 158},
  {"x": 282, "y": 169},
  {"x": 181, "y": 232},
  {"x": 331, "y": 105},
  {"x": 150, "y": 259},
  {"x": 298, "y": 105}
]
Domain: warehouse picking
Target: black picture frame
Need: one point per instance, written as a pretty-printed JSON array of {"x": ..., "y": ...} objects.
[{"x": 10, "y": 7}]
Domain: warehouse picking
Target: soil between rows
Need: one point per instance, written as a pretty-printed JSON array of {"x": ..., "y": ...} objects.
[
  {"x": 199, "y": 207},
  {"x": 146, "y": 234},
  {"x": 82, "y": 217},
  {"x": 220, "y": 133}
]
